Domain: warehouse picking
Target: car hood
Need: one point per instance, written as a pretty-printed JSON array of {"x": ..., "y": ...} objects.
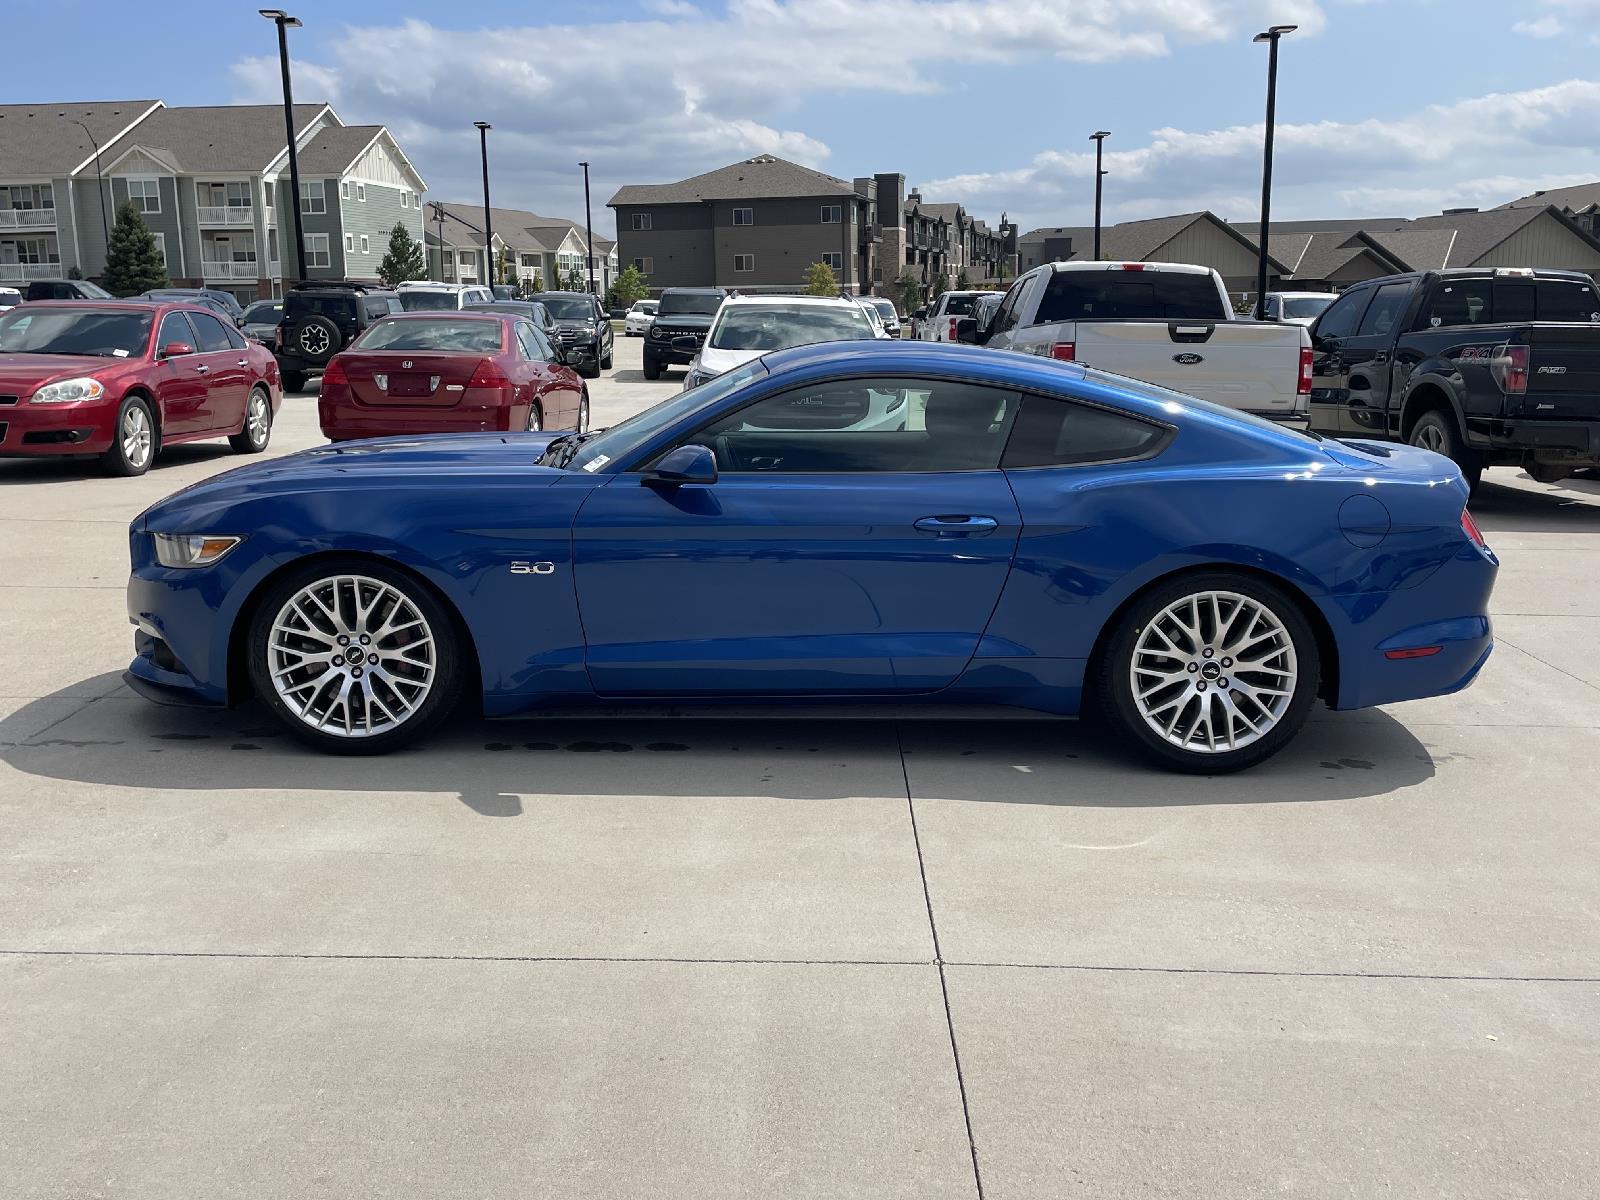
[
  {"x": 715, "y": 362},
  {"x": 580, "y": 326},
  {"x": 23, "y": 374}
]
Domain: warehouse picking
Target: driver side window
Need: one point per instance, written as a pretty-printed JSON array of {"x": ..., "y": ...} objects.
[
  {"x": 1343, "y": 315},
  {"x": 861, "y": 425},
  {"x": 174, "y": 328}
]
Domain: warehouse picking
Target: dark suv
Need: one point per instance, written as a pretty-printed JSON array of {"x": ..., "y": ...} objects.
[
  {"x": 65, "y": 289},
  {"x": 322, "y": 318},
  {"x": 683, "y": 313},
  {"x": 581, "y": 324}
]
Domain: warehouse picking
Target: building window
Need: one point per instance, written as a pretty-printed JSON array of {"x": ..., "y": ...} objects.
[
  {"x": 349, "y": 243},
  {"x": 313, "y": 200},
  {"x": 161, "y": 246},
  {"x": 361, "y": 192},
  {"x": 832, "y": 214},
  {"x": 35, "y": 250},
  {"x": 744, "y": 216},
  {"x": 317, "y": 254},
  {"x": 344, "y": 189},
  {"x": 645, "y": 266},
  {"x": 27, "y": 195},
  {"x": 744, "y": 262},
  {"x": 530, "y": 261},
  {"x": 833, "y": 258},
  {"x": 641, "y": 220},
  {"x": 145, "y": 194},
  {"x": 405, "y": 199},
  {"x": 366, "y": 246}
]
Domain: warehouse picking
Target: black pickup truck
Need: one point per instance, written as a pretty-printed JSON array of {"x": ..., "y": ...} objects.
[{"x": 1493, "y": 366}]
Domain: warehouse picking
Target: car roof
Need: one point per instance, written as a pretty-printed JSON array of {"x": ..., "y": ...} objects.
[
  {"x": 787, "y": 299},
  {"x": 445, "y": 314},
  {"x": 434, "y": 285},
  {"x": 562, "y": 292},
  {"x": 704, "y": 291}
]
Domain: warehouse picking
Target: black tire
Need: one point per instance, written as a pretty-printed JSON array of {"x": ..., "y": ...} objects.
[
  {"x": 294, "y": 381},
  {"x": 590, "y": 369},
  {"x": 315, "y": 338},
  {"x": 124, "y": 456},
  {"x": 605, "y": 363},
  {"x": 1113, "y": 676},
  {"x": 254, "y": 433},
  {"x": 652, "y": 367},
  {"x": 1437, "y": 430},
  {"x": 438, "y": 702}
]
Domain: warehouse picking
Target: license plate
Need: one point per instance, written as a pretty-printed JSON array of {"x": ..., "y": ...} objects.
[{"x": 413, "y": 385}]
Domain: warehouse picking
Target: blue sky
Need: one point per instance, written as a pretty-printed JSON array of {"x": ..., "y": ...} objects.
[{"x": 987, "y": 103}]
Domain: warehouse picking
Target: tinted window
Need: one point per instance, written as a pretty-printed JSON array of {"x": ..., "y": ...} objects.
[
  {"x": 1052, "y": 432},
  {"x": 175, "y": 328},
  {"x": 572, "y": 308},
  {"x": 1129, "y": 295},
  {"x": 1343, "y": 315},
  {"x": 1383, "y": 314},
  {"x": 235, "y": 338},
  {"x": 26, "y": 330},
  {"x": 1515, "y": 302},
  {"x": 210, "y": 332},
  {"x": 854, "y": 425},
  {"x": 414, "y": 300},
  {"x": 1459, "y": 302},
  {"x": 377, "y": 306},
  {"x": 525, "y": 342},
  {"x": 542, "y": 348},
  {"x": 1568, "y": 300},
  {"x": 704, "y": 303},
  {"x": 1305, "y": 306},
  {"x": 264, "y": 312},
  {"x": 466, "y": 336},
  {"x": 959, "y": 306},
  {"x": 340, "y": 308},
  {"x": 767, "y": 327}
]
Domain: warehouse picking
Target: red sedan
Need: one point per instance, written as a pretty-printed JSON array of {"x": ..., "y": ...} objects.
[
  {"x": 429, "y": 372},
  {"x": 121, "y": 379}
]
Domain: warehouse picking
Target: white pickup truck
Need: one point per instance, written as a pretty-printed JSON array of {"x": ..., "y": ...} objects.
[
  {"x": 1166, "y": 323},
  {"x": 940, "y": 316}
]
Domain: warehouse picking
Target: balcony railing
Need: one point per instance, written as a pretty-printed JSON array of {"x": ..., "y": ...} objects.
[
  {"x": 230, "y": 270},
  {"x": 27, "y": 218},
  {"x": 15, "y": 272},
  {"x": 217, "y": 214}
]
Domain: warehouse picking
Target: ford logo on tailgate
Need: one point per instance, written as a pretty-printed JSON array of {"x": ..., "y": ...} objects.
[{"x": 1188, "y": 360}]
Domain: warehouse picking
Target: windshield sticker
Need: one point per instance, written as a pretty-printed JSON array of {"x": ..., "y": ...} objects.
[
  {"x": 119, "y": 353},
  {"x": 597, "y": 462}
]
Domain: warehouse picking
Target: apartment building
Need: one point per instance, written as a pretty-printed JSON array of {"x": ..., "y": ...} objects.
[
  {"x": 541, "y": 248},
  {"x": 211, "y": 182}
]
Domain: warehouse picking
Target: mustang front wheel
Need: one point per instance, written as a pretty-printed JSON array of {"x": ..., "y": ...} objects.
[
  {"x": 1210, "y": 674},
  {"x": 355, "y": 661}
]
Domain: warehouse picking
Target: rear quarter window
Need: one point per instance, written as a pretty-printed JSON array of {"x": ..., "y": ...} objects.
[{"x": 1051, "y": 432}]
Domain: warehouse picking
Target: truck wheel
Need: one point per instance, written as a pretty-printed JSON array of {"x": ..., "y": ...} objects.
[
  {"x": 294, "y": 381},
  {"x": 652, "y": 367},
  {"x": 1437, "y": 431}
]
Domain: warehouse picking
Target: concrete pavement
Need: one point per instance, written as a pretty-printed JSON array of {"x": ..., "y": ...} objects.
[{"x": 760, "y": 958}]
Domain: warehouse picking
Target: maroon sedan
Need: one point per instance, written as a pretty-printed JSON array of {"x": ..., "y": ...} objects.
[
  {"x": 431, "y": 372},
  {"x": 121, "y": 379}
]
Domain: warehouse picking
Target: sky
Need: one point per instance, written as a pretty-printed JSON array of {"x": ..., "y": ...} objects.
[{"x": 1385, "y": 107}]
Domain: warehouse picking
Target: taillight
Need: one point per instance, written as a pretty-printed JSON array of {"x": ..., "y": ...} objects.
[
  {"x": 1510, "y": 369},
  {"x": 1470, "y": 528},
  {"x": 333, "y": 374},
  {"x": 489, "y": 375},
  {"x": 1305, "y": 371},
  {"x": 953, "y": 336},
  {"x": 277, "y": 337},
  {"x": 1064, "y": 351}
]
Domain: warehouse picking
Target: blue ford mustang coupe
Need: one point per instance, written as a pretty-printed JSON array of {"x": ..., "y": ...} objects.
[{"x": 865, "y": 522}]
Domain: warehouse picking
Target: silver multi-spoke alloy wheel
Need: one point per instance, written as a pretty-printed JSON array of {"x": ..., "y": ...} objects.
[
  {"x": 1213, "y": 672},
  {"x": 258, "y": 420},
  {"x": 351, "y": 656},
  {"x": 1430, "y": 437},
  {"x": 137, "y": 436}
]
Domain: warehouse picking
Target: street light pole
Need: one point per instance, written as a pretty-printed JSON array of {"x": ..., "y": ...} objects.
[
  {"x": 438, "y": 218},
  {"x": 285, "y": 22},
  {"x": 483, "y": 128},
  {"x": 588, "y": 226},
  {"x": 1271, "y": 37},
  {"x": 100, "y": 183},
  {"x": 1099, "y": 139}
]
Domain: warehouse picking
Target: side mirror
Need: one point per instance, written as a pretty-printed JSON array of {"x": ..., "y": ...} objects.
[
  {"x": 683, "y": 464},
  {"x": 967, "y": 331},
  {"x": 176, "y": 349},
  {"x": 685, "y": 344}
]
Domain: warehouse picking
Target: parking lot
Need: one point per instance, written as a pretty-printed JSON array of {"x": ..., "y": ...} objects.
[{"x": 674, "y": 957}]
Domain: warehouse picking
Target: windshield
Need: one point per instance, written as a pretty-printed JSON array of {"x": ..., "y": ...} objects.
[
  {"x": 1309, "y": 306},
  {"x": 777, "y": 327},
  {"x": 457, "y": 336},
  {"x": 886, "y": 309},
  {"x": 568, "y": 308},
  {"x": 264, "y": 313},
  {"x": 959, "y": 306},
  {"x": 413, "y": 300},
  {"x": 622, "y": 437},
  {"x": 644, "y": 306},
  {"x": 99, "y": 332},
  {"x": 704, "y": 303}
]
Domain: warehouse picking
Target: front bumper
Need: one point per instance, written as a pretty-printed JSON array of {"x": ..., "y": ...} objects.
[
  {"x": 661, "y": 350},
  {"x": 33, "y": 430}
]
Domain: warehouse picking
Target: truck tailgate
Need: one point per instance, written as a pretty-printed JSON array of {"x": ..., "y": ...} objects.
[
  {"x": 1249, "y": 365},
  {"x": 1563, "y": 371}
]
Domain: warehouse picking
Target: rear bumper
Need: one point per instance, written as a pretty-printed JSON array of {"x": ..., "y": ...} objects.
[
  {"x": 343, "y": 419},
  {"x": 44, "y": 430},
  {"x": 1551, "y": 440}
]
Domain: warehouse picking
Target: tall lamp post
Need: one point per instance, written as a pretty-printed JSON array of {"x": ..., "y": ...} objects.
[
  {"x": 588, "y": 227},
  {"x": 483, "y": 128},
  {"x": 1271, "y": 37},
  {"x": 438, "y": 220},
  {"x": 1099, "y": 139},
  {"x": 285, "y": 22},
  {"x": 100, "y": 182}
]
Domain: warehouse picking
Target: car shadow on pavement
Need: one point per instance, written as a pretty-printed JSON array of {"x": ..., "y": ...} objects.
[
  {"x": 121, "y": 740},
  {"x": 1571, "y": 504},
  {"x": 50, "y": 470}
]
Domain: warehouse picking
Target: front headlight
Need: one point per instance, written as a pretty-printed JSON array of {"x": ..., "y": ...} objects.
[
  {"x": 191, "y": 549},
  {"x": 67, "y": 391}
]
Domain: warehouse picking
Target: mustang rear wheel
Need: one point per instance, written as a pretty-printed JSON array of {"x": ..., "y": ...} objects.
[
  {"x": 355, "y": 659},
  {"x": 1211, "y": 673}
]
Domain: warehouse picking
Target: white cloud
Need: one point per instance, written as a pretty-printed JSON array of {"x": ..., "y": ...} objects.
[
  {"x": 1478, "y": 152},
  {"x": 646, "y": 100},
  {"x": 1544, "y": 27}
]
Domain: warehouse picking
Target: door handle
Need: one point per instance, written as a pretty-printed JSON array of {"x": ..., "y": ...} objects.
[
  {"x": 244, "y": 362},
  {"x": 956, "y": 526},
  {"x": 201, "y": 369},
  {"x": 1381, "y": 356}
]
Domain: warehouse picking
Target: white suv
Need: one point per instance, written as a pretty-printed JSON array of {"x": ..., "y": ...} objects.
[
  {"x": 426, "y": 296},
  {"x": 939, "y": 324},
  {"x": 747, "y": 327}
]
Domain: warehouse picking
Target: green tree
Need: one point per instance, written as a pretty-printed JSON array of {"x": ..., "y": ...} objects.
[
  {"x": 404, "y": 260},
  {"x": 506, "y": 268},
  {"x": 74, "y": 273},
  {"x": 938, "y": 286},
  {"x": 964, "y": 281},
  {"x": 820, "y": 280},
  {"x": 908, "y": 288},
  {"x": 574, "y": 280},
  {"x": 133, "y": 264},
  {"x": 630, "y": 285}
]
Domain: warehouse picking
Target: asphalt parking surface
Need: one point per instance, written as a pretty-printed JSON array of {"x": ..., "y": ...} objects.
[{"x": 588, "y": 958}]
